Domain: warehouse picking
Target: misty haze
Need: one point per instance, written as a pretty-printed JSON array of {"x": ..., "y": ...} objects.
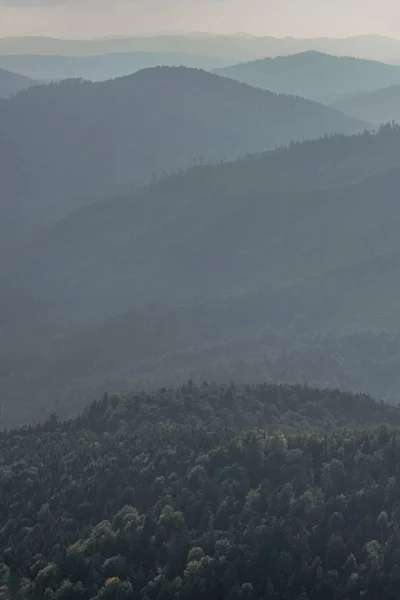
[{"x": 199, "y": 300}]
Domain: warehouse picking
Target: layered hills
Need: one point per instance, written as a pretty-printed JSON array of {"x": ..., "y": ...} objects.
[
  {"x": 281, "y": 266},
  {"x": 315, "y": 75},
  {"x": 48, "y": 68},
  {"x": 142, "y": 264},
  {"x": 283, "y": 217},
  {"x": 228, "y": 47},
  {"x": 379, "y": 106},
  {"x": 65, "y": 145}
]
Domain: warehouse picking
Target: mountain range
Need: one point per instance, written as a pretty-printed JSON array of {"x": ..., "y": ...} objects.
[
  {"x": 199, "y": 296},
  {"x": 278, "y": 266},
  {"x": 228, "y": 47},
  {"x": 48, "y": 68},
  {"x": 314, "y": 75},
  {"x": 139, "y": 250},
  {"x": 180, "y": 235},
  {"x": 65, "y": 145}
]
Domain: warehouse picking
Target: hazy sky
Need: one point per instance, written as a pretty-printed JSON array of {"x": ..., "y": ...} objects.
[{"x": 302, "y": 18}]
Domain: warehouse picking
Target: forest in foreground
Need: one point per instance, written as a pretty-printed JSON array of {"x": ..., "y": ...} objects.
[{"x": 211, "y": 491}]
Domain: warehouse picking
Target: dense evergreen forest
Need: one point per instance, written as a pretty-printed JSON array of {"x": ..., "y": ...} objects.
[{"x": 205, "y": 491}]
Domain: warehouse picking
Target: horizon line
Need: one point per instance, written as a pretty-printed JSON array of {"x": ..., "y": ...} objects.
[{"x": 171, "y": 33}]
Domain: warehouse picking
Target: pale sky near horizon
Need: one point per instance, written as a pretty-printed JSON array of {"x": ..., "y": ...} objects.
[{"x": 299, "y": 18}]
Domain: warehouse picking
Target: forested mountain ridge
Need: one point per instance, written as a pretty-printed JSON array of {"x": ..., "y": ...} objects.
[
  {"x": 315, "y": 75},
  {"x": 11, "y": 83},
  {"x": 180, "y": 494},
  {"x": 274, "y": 407},
  {"x": 272, "y": 204},
  {"x": 68, "y": 144}
]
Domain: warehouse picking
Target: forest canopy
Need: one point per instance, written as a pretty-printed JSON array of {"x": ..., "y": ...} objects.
[{"x": 179, "y": 494}]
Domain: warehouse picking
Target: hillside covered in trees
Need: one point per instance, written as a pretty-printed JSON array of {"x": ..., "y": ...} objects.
[
  {"x": 65, "y": 145},
  {"x": 315, "y": 75},
  {"x": 172, "y": 230},
  {"x": 195, "y": 493}
]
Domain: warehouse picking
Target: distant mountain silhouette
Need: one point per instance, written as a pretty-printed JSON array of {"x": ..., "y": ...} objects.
[
  {"x": 379, "y": 106},
  {"x": 65, "y": 145},
  {"x": 231, "y": 47},
  {"x": 314, "y": 75},
  {"x": 11, "y": 83},
  {"x": 99, "y": 68}
]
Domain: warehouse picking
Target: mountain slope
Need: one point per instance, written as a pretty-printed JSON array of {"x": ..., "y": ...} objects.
[
  {"x": 101, "y": 67},
  {"x": 222, "y": 230},
  {"x": 314, "y": 75},
  {"x": 378, "y": 106},
  {"x": 11, "y": 83},
  {"x": 76, "y": 141}
]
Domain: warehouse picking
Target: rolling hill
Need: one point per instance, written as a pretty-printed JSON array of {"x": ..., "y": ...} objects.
[
  {"x": 11, "y": 83},
  {"x": 64, "y": 145},
  {"x": 101, "y": 67},
  {"x": 314, "y": 75},
  {"x": 379, "y": 106}
]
